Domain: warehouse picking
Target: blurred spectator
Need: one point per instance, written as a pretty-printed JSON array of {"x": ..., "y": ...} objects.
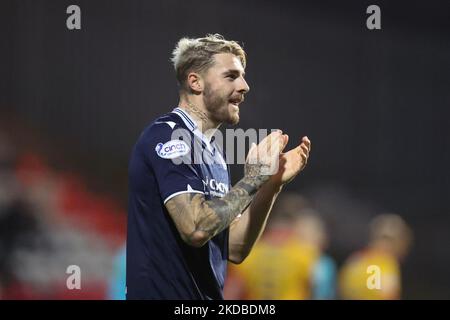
[
  {"x": 47, "y": 223},
  {"x": 390, "y": 239},
  {"x": 18, "y": 225},
  {"x": 117, "y": 283},
  {"x": 286, "y": 262},
  {"x": 311, "y": 231}
]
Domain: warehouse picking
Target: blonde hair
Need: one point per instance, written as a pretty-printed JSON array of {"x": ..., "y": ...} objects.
[{"x": 197, "y": 55}]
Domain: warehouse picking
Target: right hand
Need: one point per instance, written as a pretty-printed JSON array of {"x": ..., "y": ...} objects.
[{"x": 262, "y": 159}]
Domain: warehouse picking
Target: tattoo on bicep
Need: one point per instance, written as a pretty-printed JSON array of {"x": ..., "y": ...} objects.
[
  {"x": 180, "y": 210},
  {"x": 192, "y": 213}
]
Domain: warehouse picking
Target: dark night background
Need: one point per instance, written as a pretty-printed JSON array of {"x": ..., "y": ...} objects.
[{"x": 375, "y": 104}]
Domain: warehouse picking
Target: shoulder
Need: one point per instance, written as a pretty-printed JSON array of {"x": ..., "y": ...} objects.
[
  {"x": 166, "y": 136},
  {"x": 163, "y": 129},
  {"x": 162, "y": 126}
]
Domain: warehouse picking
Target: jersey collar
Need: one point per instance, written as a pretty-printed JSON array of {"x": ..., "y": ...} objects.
[
  {"x": 192, "y": 125},
  {"x": 187, "y": 119}
]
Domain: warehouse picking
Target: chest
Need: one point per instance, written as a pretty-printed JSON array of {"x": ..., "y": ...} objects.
[{"x": 215, "y": 177}]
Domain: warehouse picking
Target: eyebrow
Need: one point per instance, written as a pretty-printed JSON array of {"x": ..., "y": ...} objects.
[{"x": 234, "y": 71}]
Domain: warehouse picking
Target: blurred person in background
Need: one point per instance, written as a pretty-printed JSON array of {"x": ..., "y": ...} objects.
[
  {"x": 390, "y": 240},
  {"x": 117, "y": 282},
  {"x": 311, "y": 231},
  {"x": 18, "y": 224},
  {"x": 287, "y": 263},
  {"x": 45, "y": 225}
]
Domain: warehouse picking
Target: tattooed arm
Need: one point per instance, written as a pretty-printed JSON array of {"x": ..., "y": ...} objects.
[
  {"x": 198, "y": 220},
  {"x": 246, "y": 229}
]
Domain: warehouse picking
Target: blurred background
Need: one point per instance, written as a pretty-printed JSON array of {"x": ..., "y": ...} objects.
[{"x": 375, "y": 104}]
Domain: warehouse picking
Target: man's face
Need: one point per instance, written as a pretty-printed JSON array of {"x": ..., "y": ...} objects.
[{"x": 224, "y": 89}]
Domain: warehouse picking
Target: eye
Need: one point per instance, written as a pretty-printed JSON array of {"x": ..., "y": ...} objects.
[{"x": 231, "y": 76}]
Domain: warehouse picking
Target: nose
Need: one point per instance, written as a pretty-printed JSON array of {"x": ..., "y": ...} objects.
[{"x": 243, "y": 86}]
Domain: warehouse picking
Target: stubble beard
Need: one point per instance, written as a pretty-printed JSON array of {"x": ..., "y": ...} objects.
[{"x": 217, "y": 106}]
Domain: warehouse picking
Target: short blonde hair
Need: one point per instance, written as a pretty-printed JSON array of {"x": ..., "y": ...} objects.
[{"x": 197, "y": 55}]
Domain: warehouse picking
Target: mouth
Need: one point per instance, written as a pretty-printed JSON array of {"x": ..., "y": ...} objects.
[{"x": 236, "y": 101}]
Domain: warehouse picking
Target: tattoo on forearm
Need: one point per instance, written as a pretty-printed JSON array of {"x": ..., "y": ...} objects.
[
  {"x": 193, "y": 214},
  {"x": 254, "y": 177},
  {"x": 222, "y": 211}
]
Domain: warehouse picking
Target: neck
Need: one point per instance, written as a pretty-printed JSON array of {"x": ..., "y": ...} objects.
[{"x": 205, "y": 124}]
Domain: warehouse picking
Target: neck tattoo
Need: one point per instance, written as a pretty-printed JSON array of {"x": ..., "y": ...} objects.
[{"x": 200, "y": 114}]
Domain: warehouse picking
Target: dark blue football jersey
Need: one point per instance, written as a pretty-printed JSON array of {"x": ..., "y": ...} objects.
[{"x": 172, "y": 157}]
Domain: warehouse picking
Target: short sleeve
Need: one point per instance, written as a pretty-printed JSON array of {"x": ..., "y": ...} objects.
[{"x": 169, "y": 154}]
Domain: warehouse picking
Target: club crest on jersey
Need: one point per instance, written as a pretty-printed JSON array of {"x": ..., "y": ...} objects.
[{"x": 172, "y": 149}]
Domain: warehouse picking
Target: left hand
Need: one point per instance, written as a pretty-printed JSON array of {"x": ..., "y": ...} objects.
[{"x": 291, "y": 162}]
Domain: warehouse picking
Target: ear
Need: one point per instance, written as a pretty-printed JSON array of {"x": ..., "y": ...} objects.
[{"x": 195, "y": 82}]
